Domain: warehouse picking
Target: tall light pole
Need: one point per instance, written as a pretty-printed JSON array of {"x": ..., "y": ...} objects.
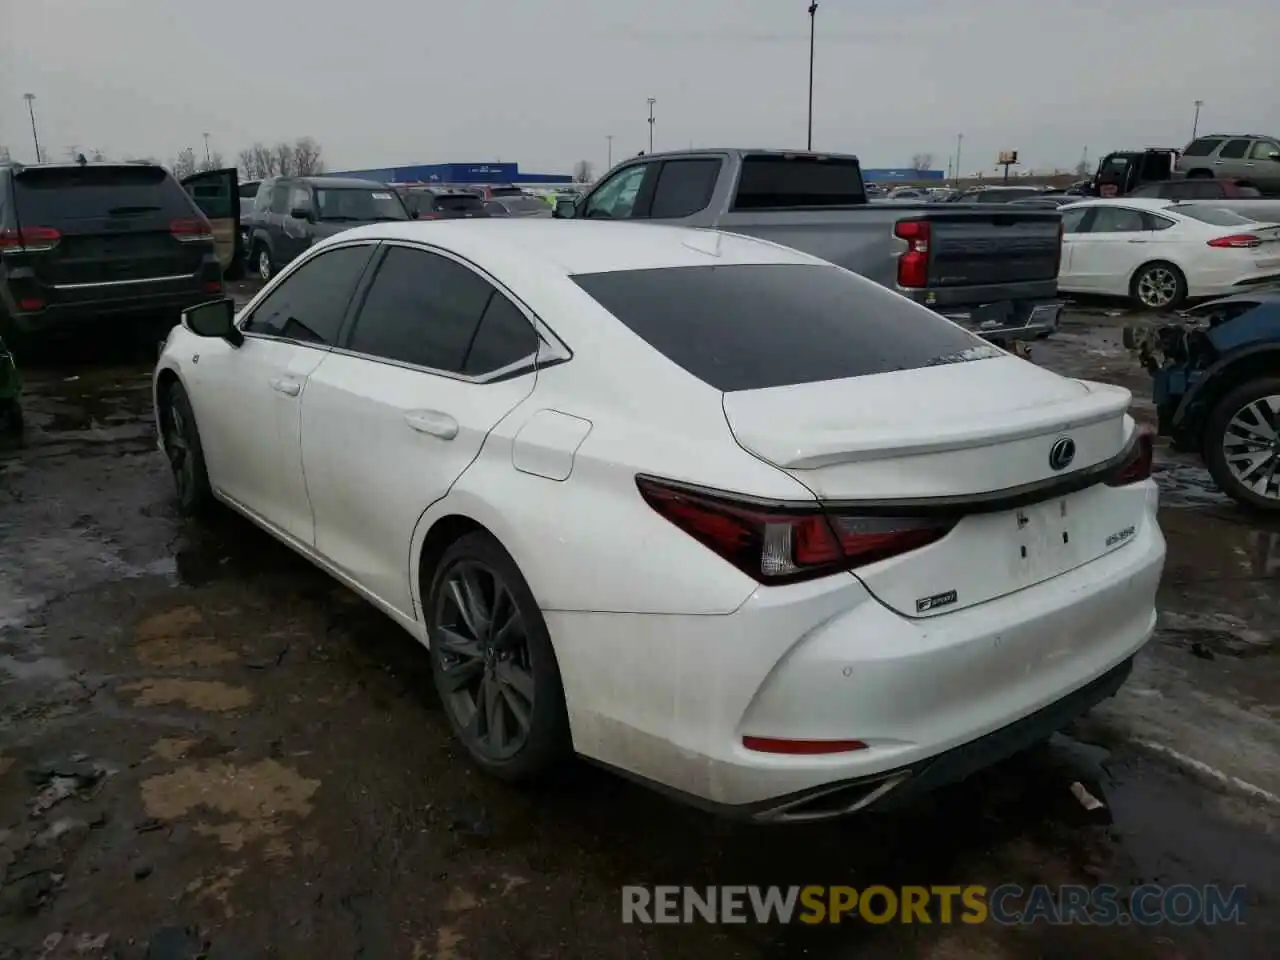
[
  {"x": 1195, "y": 122},
  {"x": 813, "y": 11},
  {"x": 959, "y": 144},
  {"x": 651, "y": 103},
  {"x": 609, "y": 140},
  {"x": 31, "y": 110},
  {"x": 207, "y": 161}
]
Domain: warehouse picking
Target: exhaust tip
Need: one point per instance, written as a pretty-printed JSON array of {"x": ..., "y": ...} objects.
[{"x": 827, "y": 803}]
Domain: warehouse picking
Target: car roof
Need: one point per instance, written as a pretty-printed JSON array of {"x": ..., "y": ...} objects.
[
  {"x": 581, "y": 246},
  {"x": 339, "y": 182}
]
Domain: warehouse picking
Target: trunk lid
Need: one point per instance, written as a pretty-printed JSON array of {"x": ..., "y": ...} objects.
[
  {"x": 992, "y": 245},
  {"x": 949, "y": 437}
]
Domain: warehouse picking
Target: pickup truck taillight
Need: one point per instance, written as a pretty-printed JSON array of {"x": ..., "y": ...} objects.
[{"x": 913, "y": 264}]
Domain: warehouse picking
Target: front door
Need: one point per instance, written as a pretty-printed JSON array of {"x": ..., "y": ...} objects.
[
  {"x": 436, "y": 357},
  {"x": 217, "y": 194},
  {"x": 252, "y": 429}
]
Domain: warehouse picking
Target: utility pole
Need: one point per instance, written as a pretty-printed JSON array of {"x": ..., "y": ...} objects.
[
  {"x": 207, "y": 161},
  {"x": 609, "y": 139},
  {"x": 651, "y": 103},
  {"x": 959, "y": 144},
  {"x": 813, "y": 11},
  {"x": 1195, "y": 122},
  {"x": 31, "y": 110}
]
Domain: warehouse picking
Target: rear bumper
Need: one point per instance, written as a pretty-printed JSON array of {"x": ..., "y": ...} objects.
[
  {"x": 668, "y": 700},
  {"x": 76, "y": 307},
  {"x": 1008, "y": 320}
]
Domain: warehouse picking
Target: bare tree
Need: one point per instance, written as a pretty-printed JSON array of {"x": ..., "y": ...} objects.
[
  {"x": 307, "y": 160},
  {"x": 922, "y": 161},
  {"x": 184, "y": 164},
  {"x": 583, "y": 171},
  {"x": 284, "y": 159},
  {"x": 264, "y": 161}
]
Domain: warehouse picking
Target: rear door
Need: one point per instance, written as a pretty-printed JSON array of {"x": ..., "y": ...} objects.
[
  {"x": 1262, "y": 166},
  {"x": 117, "y": 225},
  {"x": 436, "y": 356},
  {"x": 1109, "y": 248},
  {"x": 217, "y": 194}
]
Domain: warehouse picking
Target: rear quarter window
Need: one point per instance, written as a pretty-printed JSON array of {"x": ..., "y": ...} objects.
[
  {"x": 58, "y": 194},
  {"x": 1202, "y": 147},
  {"x": 778, "y": 324},
  {"x": 788, "y": 182}
]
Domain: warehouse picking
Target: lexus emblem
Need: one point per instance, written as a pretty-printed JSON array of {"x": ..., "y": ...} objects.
[{"x": 1062, "y": 453}]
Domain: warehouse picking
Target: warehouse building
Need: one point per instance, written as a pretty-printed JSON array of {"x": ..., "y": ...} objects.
[{"x": 455, "y": 173}]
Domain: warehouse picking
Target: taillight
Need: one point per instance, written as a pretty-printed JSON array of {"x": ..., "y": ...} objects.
[
  {"x": 1237, "y": 241},
  {"x": 188, "y": 230},
  {"x": 801, "y": 747},
  {"x": 1138, "y": 466},
  {"x": 785, "y": 543},
  {"x": 913, "y": 264},
  {"x": 29, "y": 240}
]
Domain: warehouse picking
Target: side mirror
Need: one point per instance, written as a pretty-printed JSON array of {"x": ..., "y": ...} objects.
[
  {"x": 215, "y": 319},
  {"x": 300, "y": 213},
  {"x": 565, "y": 210}
]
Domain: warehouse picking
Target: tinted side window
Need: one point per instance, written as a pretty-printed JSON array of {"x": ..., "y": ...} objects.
[
  {"x": 615, "y": 200},
  {"x": 299, "y": 199},
  {"x": 262, "y": 200},
  {"x": 1117, "y": 220},
  {"x": 310, "y": 303},
  {"x": 1233, "y": 149},
  {"x": 280, "y": 198},
  {"x": 505, "y": 336},
  {"x": 1072, "y": 219},
  {"x": 421, "y": 309},
  {"x": 777, "y": 324},
  {"x": 1151, "y": 221},
  {"x": 684, "y": 187},
  {"x": 1202, "y": 147}
]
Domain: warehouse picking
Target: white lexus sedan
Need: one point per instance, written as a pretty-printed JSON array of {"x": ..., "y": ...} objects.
[
  {"x": 1161, "y": 253},
  {"x": 714, "y": 513}
]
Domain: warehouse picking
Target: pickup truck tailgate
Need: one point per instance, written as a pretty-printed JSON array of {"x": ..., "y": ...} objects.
[{"x": 972, "y": 248}]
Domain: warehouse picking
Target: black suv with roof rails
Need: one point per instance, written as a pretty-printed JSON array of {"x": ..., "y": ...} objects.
[{"x": 89, "y": 242}]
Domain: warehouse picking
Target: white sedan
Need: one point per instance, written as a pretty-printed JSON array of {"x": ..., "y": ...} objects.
[
  {"x": 1160, "y": 253},
  {"x": 709, "y": 511}
]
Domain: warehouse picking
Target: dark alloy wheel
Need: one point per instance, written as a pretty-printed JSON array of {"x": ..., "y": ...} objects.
[
  {"x": 1159, "y": 286},
  {"x": 185, "y": 455},
  {"x": 494, "y": 666},
  {"x": 1242, "y": 443}
]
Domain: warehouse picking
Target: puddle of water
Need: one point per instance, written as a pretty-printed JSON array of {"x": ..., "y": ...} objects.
[
  {"x": 1187, "y": 485},
  {"x": 42, "y": 668}
]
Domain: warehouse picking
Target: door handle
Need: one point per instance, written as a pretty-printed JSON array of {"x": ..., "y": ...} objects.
[
  {"x": 432, "y": 422},
  {"x": 290, "y": 388}
]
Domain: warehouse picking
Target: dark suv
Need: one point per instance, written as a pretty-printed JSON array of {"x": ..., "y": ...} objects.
[
  {"x": 79, "y": 242},
  {"x": 291, "y": 213}
]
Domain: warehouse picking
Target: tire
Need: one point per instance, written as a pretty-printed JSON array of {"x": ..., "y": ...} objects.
[
  {"x": 476, "y": 667},
  {"x": 1158, "y": 286},
  {"x": 1229, "y": 474},
  {"x": 1200, "y": 174},
  {"x": 263, "y": 263},
  {"x": 184, "y": 452}
]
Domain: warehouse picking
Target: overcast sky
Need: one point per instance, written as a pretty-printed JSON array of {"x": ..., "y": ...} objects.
[{"x": 386, "y": 82}]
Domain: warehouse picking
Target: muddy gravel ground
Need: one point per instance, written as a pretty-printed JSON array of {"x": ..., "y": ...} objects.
[{"x": 209, "y": 748}]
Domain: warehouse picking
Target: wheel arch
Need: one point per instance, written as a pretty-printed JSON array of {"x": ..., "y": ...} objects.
[{"x": 1227, "y": 373}]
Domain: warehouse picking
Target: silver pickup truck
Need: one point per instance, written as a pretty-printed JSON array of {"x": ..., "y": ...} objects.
[{"x": 991, "y": 267}]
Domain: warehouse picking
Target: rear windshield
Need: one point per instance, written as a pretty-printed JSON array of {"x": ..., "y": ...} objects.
[
  {"x": 505, "y": 192},
  {"x": 1217, "y": 216},
  {"x": 459, "y": 201},
  {"x": 52, "y": 194},
  {"x": 526, "y": 204},
  {"x": 772, "y": 182},
  {"x": 751, "y": 326}
]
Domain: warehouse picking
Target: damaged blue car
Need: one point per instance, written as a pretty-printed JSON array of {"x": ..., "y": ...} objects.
[{"x": 1216, "y": 387}]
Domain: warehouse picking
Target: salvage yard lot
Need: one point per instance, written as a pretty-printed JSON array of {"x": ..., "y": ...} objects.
[{"x": 199, "y": 730}]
